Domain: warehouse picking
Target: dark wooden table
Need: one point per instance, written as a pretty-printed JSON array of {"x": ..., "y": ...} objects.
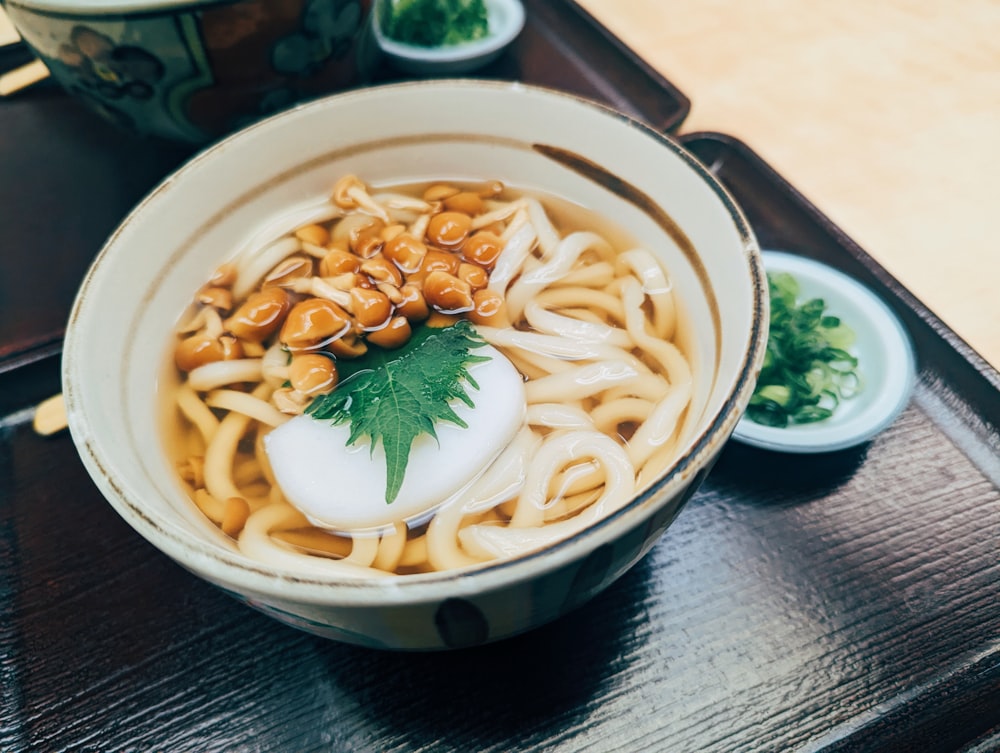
[{"x": 839, "y": 602}]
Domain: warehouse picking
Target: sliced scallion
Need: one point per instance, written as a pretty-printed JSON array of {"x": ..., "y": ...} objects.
[{"x": 808, "y": 368}]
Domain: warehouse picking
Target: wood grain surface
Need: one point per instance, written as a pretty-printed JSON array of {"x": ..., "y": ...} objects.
[{"x": 885, "y": 114}]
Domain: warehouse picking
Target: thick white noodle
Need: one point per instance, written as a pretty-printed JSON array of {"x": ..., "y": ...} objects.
[
  {"x": 505, "y": 476},
  {"x": 312, "y": 249},
  {"x": 558, "y": 416},
  {"x": 548, "y": 236},
  {"x": 566, "y": 297},
  {"x": 554, "y": 266},
  {"x": 558, "y": 451},
  {"x": 260, "y": 452},
  {"x": 497, "y": 212},
  {"x": 586, "y": 315},
  {"x": 282, "y": 225},
  {"x": 526, "y": 532},
  {"x": 596, "y": 275},
  {"x": 248, "y": 405},
  {"x": 653, "y": 468},
  {"x": 199, "y": 414},
  {"x": 256, "y": 542},
  {"x": 401, "y": 207},
  {"x": 519, "y": 220},
  {"x": 251, "y": 270},
  {"x": 648, "y": 386},
  {"x": 657, "y": 287},
  {"x": 219, "y": 456},
  {"x": 571, "y": 482},
  {"x": 217, "y": 373},
  {"x": 414, "y": 552},
  {"x": 364, "y": 550},
  {"x": 580, "y": 382},
  {"x": 343, "y": 230},
  {"x": 553, "y": 346},
  {"x": 674, "y": 364},
  {"x": 534, "y": 366},
  {"x": 221, "y": 451},
  {"x": 274, "y": 365},
  {"x": 501, "y": 481},
  {"x": 583, "y": 490},
  {"x": 443, "y": 549},
  {"x": 661, "y": 425},
  {"x": 511, "y": 259},
  {"x": 610, "y": 414},
  {"x": 390, "y": 549},
  {"x": 212, "y": 508},
  {"x": 544, "y": 320}
]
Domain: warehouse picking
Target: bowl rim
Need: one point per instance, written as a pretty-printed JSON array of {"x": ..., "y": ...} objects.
[{"x": 202, "y": 557}]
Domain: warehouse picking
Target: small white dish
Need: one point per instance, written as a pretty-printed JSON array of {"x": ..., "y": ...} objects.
[
  {"x": 885, "y": 356},
  {"x": 506, "y": 19}
]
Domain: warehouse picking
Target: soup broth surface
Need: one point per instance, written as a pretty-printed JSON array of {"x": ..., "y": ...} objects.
[{"x": 426, "y": 377}]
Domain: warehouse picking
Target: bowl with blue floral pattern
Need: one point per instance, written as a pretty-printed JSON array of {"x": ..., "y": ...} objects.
[{"x": 194, "y": 71}]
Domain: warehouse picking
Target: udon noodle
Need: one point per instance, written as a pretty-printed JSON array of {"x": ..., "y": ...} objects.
[{"x": 590, "y": 327}]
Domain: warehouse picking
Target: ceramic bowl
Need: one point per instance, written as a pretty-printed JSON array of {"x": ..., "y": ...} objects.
[
  {"x": 190, "y": 70},
  {"x": 119, "y": 335},
  {"x": 506, "y": 19}
]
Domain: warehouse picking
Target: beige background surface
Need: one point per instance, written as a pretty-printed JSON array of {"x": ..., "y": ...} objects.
[{"x": 884, "y": 113}]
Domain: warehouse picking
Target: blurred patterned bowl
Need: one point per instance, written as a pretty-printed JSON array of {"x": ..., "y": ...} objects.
[{"x": 192, "y": 71}]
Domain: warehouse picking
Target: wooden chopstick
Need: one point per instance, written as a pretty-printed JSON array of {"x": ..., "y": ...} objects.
[
  {"x": 50, "y": 416},
  {"x": 23, "y": 77}
]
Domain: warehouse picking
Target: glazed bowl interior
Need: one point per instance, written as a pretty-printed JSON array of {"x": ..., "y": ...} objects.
[{"x": 261, "y": 182}]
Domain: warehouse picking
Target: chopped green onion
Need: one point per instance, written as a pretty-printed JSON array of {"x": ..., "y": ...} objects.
[
  {"x": 434, "y": 23},
  {"x": 808, "y": 368}
]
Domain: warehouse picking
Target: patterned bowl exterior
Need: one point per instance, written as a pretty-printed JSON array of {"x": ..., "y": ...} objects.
[
  {"x": 114, "y": 350},
  {"x": 195, "y": 72},
  {"x": 490, "y": 615}
]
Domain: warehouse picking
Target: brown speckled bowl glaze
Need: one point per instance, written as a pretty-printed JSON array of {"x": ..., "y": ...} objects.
[
  {"x": 118, "y": 334},
  {"x": 190, "y": 70}
]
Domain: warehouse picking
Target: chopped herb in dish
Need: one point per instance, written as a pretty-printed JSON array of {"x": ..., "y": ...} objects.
[
  {"x": 807, "y": 368},
  {"x": 434, "y": 23}
]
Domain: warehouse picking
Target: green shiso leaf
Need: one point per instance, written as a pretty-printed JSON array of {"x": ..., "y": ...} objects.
[{"x": 394, "y": 396}]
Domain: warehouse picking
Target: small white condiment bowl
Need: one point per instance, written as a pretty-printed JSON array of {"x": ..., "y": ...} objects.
[
  {"x": 506, "y": 19},
  {"x": 885, "y": 356},
  {"x": 121, "y": 331}
]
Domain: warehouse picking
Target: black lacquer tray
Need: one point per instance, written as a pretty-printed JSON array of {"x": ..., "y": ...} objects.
[{"x": 847, "y": 601}]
